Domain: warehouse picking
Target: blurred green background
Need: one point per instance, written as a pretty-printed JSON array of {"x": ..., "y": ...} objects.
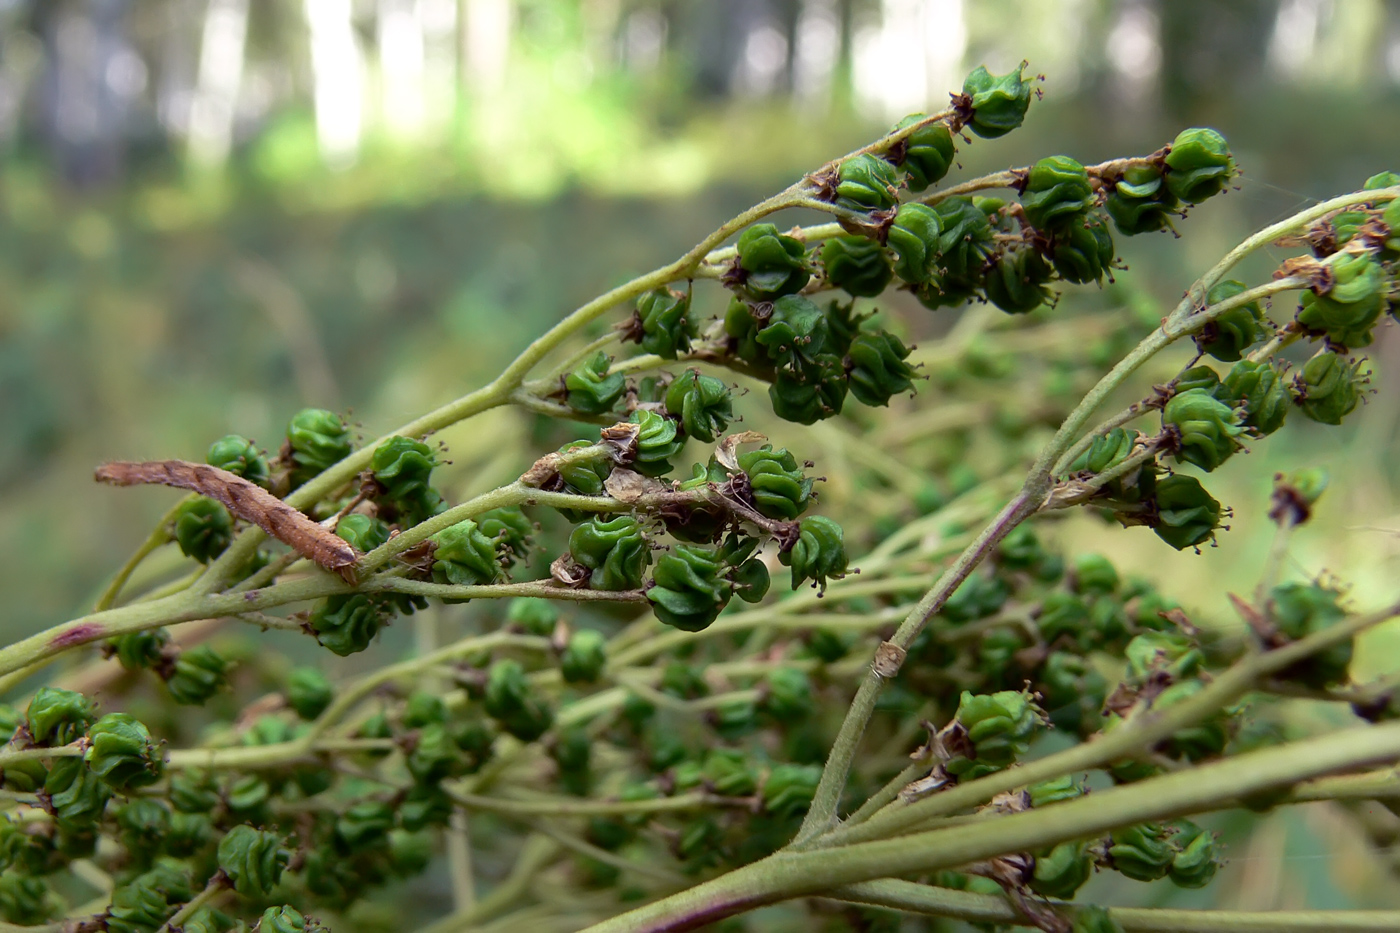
[{"x": 215, "y": 212}]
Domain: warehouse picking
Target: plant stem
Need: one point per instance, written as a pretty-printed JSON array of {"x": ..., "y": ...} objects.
[
  {"x": 216, "y": 886},
  {"x": 159, "y": 536}
]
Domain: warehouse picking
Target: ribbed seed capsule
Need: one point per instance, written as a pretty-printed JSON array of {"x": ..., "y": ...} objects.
[
  {"x": 1229, "y": 334},
  {"x": 239, "y": 456},
  {"x": 915, "y": 238},
  {"x": 928, "y": 152},
  {"x": 818, "y": 554},
  {"x": 876, "y": 368},
  {"x": 346, "y": 623},
  {"x": 1057, "y": 194},
  {"x": 1083, "y": 251},
  {"x": 1199, "y": 164},
  {"x": 203, "y": 529},
  {"x": 1258, "y": 390},
  {"x": 657, "y": 442},
  {"x": 1016, "y": 282},
  {"x": 856, "y": 265},
  {"x": 1208, "y": 428},
  {"x": 816, "y": 392},
  {"x": 690, "y": 587},
  {"x": 318, "y": 439},
  {"x": 122, "y": 753},
  {"x": 1140, "y": 201},
  {"x": 866, "y": 183},
  {"x": 1186, "y": 515},
  {"x": 592, "y": 389},
  {"x": 997, "y": 103},
  {"x": 778, "y": 487},
  {"x": 614, "y": 551},
  {"x": 663, "y": 317},
  {"x": 773, "y": 263},
  {"x": 1349, "y": 308},
  {"x": 1303, "y": 609},
  {"x": 465, "y": 556},
  {"x": 702, "y": 403},
  {"x": 1328, "y": 388}
]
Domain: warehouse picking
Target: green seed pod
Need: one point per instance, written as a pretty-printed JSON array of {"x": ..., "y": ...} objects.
[
  {"x": 424, "y": 807},
  {"x": 999, "y": 727},
  {"x": 663, "y": 319},
  {"x": 1208, "y": 428},
  {"x": 464, "y": 556},
  {"x": 286, "y": 919},
  {"x": 1083, "y": 250},
  {"x": 239, "y": 456},
  {"x": 614, "y": 551},
  {"x": 1258, "y": 391},
  {"x": 1226, "y": 337},
  {"x": 1016, "y": 282},
  {"x": 1303, "y": 609},
  {"x": 789, "y": 789},
  {"x": 795, "y": 332},
  {"x": 915, "y": 238},
  {"x": 1140, "y": 201},
  {"x": 964, "y": 243},
  {"x": 198, "y": 673},
  {"x": 509, "y": 531},
  {"x": 403, "y": 467},
  {"x": 1095, "y": 919},
  {"x": 778, "y": 487},
  {"x": 866, "y": 183},
  {"x": 209, "y": 920},
  {"x": 700, "y": 844},
  {"x": 1206, "y": 739},
  {"x": 927, "y": 154},
  {"x": 1328, "y": 388},
  {"x": 189, "y": 833},
  {"x": 997, "y": 103},
  {"x": 57, "y": 717},
  {"x": 309, "y": 692},
  {"x": 591, "y": 389},
  {"x": 787, "y": 695},
  {"x": 702, "y": 403},
  {"x": 728, "y": 772},
  {"x": 1349, "y": 308},
  {"x": 573, "y": 753},
  {"x": 1186, "y": 515},
  {"x": 1197, "y": 856},
  {"x": 1095, "y": 574},
  {"x": 1063, "y": 870},
  {"x": 78, "y": 796},
  {"x": 535, "y": 615},
  {"x": 410, "y": 853},
  {"x": 509, "y": 700},
  {"x": 1141, "y": 852},
  {"x": 979, "y": 596},
  {"x": 1063, "y": 615},
  {"x": 1381, "y": 180},
  {"x": 347, "y": 623},
  {"x": 690, "y": 588},
  {"x": 584, "y": 657},
  {"x": 193, "y": 791},
  {"x": 203, "y": 529},
  {"x": 750, "y": 579},
  {"x": 148, "y": 900},
  {"x": 1154, "y": 653},
  {"x": 122, "y": 753},
  {"x": 584, "y": 478},
  {"x": 818, "y": 554},
  {"x": 856, "y": 265},
  {"x": 773, "y": 263},
  {"x": 657, "y": 442},
  {"x": 1199, "y": 165},
  {"x": 26, "y": 901},
  {"x": 139, "y": 650},
  {"x": 1055, "y": 791},
  {"x": 423, "y": 708},
  {"x": 816, "y": 393},
  {"x": 1057, "y": 194},
  {"x": 877, "y": 368},
  {"x": 364, "y": 825},
  {"x": 1021, "y": 549},
  {"x": 253, "y": 860},
  {"x": 683, "y": 681},
  {"x": 1073, "y": 692},
  {"x": 318, "y": 439}
]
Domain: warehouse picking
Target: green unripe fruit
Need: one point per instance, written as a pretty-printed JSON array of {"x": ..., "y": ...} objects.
[
  {"x": 1205, "y": 739},
  {"x": 866, "y": 183},
  {"x": 1197, "y": 857},
  {"x": 663, "y": 317},
  {"x": 1154, "y": 653},
  {"x": 777, "y": 486},
  {"x": 1095, "y": 920},
  {"x": 1328, "y": 388},
  {"x": 423, "y": 807},
  {"x": 1381, "y": 180},
  {"x": 999, "y": 727},
  {"x": 690, "y": 587},
  {"x": 510, "y": 701},
  {"x": 1208, "y": 428},
  {"x": 1140, "y": 201},
  {"x": 794, "y": 333},
  {"x": 318, "y": 439},
  {"x": 997, "y": 103},
  {"x": 773, "y": 263},
  {"x": 1349, "y": 308},
  {"x": 789, "y": 790},
  {"x": 1258, "y": 390},
  {"x": 584, "y": 657},
  {"x": 535, "y": 615},
  {"x": 1186, "y": 515},
  {"x": 253, "y": 860},
  {"x": 1057, "y": 194},
  {"x": 247, "y": 797},
  {"x": 363, "y": 532},
  {"x": 122, "y": 753},
  {"x": 423, "y": 708},
  {"x": 787, "y": 695},
  {"x": 915, "y": 238},
  {"x": 364, "y": 824},
  {"x": 1083, "y": 251},
  {"x": 702, "y": 403},
  {"x": 26, "y": 901},
  {"x": 203, "y": 529},
  {"x": 927, "y": 152},
  {"x": 197, "y": 675},
  {"x": 77, "y": 795},
  {"x": 1055, "y": 791},
  {"x": 1226, "y": 337},
  {"x": 57, "y": 717},
  {"x": 979, "y": 596},
  {"x": 818, "y": 554},
  {"x": 239, "y": 456},
  {"x": 584, "y": 477},
  {"x": 509, "y": 531},
  {"x": 286, "y": 919},
  {"x": 1095, "y": 574},
  {"x": 346, "y": 623},
  {"x": 1016, "y": 282},
  {"x": 592, "y": 389},
  {"x": 209, "y": 920},
  {"x": 1199, "y": 165},
  {"x": 573, "y": 753},
  {"x": 309, "y": 692},
  {"x": 877, "y": 370},
  {"x": 193, "y": 791},
  {"x": 139, "y": 650},
  {"x": 189, "y": 833},
  {"x": 465, "y": 556},
  {"x": 965, "y": 241},
  {"x": 614, "y": 551},
  {"x": 657, "y": 442},
  {"x": 403, "y": 467},
  {"x": 410, "y": 853},
  {"x": 816, "y": 393},
  {"x": 1062, "y": 871},
  {"x": 1063, "y": 615},
  {"x": 1141, "y": 852},
  {"x": 148, "y": 900},
  {"x": 1303, "y": 609},
  {"x": 729, "y": 773},
  {"x": 856, "y": 265}
]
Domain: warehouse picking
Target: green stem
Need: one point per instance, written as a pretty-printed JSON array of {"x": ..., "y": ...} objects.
[
  {"x": 217, "y": 886},
  {"x": 574, "y": 806},
  {"x": 159, "y": 536}
]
